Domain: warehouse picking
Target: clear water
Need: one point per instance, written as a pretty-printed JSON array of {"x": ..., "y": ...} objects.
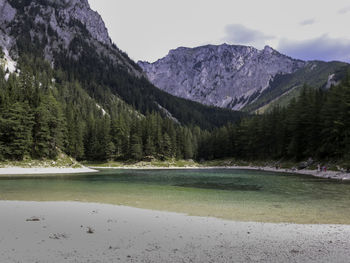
[{"x": 243, "y": 195}]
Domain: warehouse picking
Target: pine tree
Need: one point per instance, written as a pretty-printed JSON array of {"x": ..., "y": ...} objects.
[
  {"x": 149, "y": 147},
  {"x": 57, "y": 125},
  {"x": 167, "y": 150},
  {"x": 135, "y": 147},
  {"x": 16, "y": 131},
  {"x": 188, "y": 147},
  {"x": 41, "y": 133}
]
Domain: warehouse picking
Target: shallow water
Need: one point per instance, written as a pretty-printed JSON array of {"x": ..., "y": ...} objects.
[{"x": 243, "y": 195}]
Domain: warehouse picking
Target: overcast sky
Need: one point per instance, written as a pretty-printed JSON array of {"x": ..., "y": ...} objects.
[{"x": 305, "y": 29}]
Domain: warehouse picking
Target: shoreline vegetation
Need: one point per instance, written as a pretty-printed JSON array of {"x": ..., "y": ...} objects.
[
  {"x": 60, "y": 119},
  {"x": 332, "y": 171},
  {"x": 65, "y": 166},
  {"x": 62, "y": 165}
]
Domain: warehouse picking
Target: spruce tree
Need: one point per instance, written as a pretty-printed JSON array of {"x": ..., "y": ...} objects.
[{"x": 16, "y": 131}]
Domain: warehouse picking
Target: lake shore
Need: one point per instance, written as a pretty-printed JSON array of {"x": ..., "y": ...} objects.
[
  {"x": 337, "y": 175},
  {"x": 82, "y": 232},
  {"x": 43, "y": 170}
]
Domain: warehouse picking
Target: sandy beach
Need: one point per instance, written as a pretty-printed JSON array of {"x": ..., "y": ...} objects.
[
  {"x": 43, "y": 170},
  {"x": 89, "y": 232}
]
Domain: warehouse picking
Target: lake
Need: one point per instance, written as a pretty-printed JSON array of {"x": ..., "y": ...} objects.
[{"x": 243, "y": 195}]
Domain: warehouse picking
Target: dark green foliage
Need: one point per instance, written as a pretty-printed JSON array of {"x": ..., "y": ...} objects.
[
  {"x": 100, "y": 76},
  {"x": 15, "y": 131},
  {"x": 44, "y": 110},
  {"x": 65, "y": 103},
  {"x": 32, "y": 122},
  {"x": 315, "y": 75},
  {"x": 136, "y": 147},
  {"x": 42, "y": 113},
  {"x": 315, "y": 125},
  {"x": 41, "y": 132},
  {"x": 2, "y": 54}
]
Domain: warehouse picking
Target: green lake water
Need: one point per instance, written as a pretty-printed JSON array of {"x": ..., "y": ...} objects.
[{"x": 243, "y": 195}]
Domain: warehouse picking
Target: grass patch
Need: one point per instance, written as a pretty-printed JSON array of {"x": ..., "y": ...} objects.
[
  {"x": 62, "y": 161},
  {"x": 227, "y": 162},
  {"x": 154, "y": 163}
]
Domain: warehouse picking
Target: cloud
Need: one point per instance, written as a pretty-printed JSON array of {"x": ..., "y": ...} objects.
[
  {"x": 344, "y": 10},
  {"x": 321, "y": 48},
  {"x": 307, "y": 22},
  {"x": 239, "y": 34}
]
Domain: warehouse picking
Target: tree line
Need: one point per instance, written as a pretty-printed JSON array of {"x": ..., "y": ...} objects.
[
  {"x": 316, "y": 125},
  {"x": 43, "y": 113}
]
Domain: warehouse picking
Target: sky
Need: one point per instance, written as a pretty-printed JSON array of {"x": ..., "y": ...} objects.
[{"x": 304, "y": 29}]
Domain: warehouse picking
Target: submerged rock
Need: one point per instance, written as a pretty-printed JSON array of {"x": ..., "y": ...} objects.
[{"x": 33, "y": 219}]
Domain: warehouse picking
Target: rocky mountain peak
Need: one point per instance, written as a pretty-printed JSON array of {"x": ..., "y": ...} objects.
[
  {"x": 225, "y": 75},
  {"x": 80, "y": 10},
  {"x": 74, "y": 10},
  {"x": 58, "y": 28},
  {"x": 268, "y": 50}
]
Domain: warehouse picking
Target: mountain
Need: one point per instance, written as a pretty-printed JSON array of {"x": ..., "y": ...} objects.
[
  {"x": 66, "y": 89},
  {"x": 50, "y": 28},
  {"x": 235, "y": 77},
  {"x": 73, "y": 39},
  {"x": 284, "y": 87}
]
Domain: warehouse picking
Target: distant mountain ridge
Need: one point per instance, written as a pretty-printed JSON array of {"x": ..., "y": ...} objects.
[{"x": 227, "y": 76}]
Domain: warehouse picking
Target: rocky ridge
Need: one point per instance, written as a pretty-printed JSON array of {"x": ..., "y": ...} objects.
[
  {"x": 228, "y": 76},
  {"x": 74, "y": 40},
  {"x": 57, "y": 25}
]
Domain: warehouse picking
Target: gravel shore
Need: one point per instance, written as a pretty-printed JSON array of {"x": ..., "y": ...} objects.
[
  {"x": 338, "y": 175},
  {"x": 43, "y": 170},
  {"x": 63, "y": 170},
  {"x": 89, "y": 232}
]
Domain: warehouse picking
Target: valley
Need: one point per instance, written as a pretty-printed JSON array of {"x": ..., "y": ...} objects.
[{"x": 220, "y": 152}]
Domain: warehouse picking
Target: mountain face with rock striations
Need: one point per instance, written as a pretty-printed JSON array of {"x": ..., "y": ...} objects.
[
  {"x": 74, "y": 40},
  {"x": 227, "y": 76},
  {"x": 54, "y": 28}
]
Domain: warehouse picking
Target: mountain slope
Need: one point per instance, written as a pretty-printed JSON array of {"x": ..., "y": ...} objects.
[
  {"x": 65, "y": 87},
  {"x": 283, "y": 88},
  {"x": 74, "y": 39},
  {"x": 232, "y": 76},
  {"x": 48, "y": 28}
]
